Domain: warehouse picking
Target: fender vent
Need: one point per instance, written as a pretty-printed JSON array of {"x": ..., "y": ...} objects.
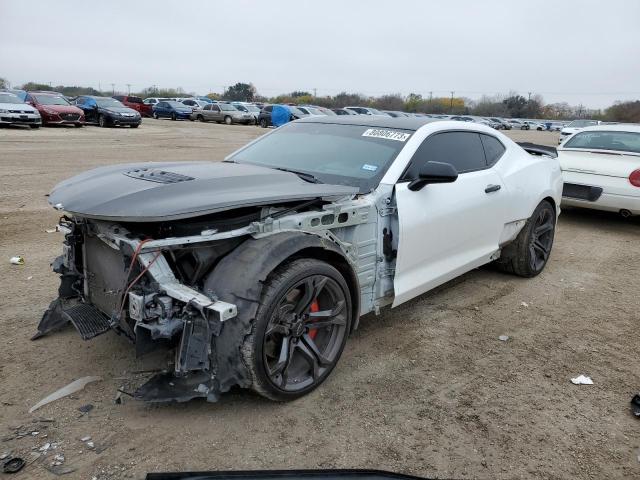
[
  {"x": 158, "y": 176},
  {"x": 88, "y": 320}
]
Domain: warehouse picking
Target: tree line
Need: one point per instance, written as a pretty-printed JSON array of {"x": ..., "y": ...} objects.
[{"x": 511, "y": 105}]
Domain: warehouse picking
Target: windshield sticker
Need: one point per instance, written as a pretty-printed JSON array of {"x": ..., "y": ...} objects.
[
  {"x": 371, "y": 168},
  {"x": 386, "y": 134}
]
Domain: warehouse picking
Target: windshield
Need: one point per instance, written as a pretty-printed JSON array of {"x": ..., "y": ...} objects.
[
  {"x": 179, "y": 105},
  {"x": 225, "y": 107},
  {"x": 582, "y": 123},
  {"x": 252, "y": 108},
  {"x": 108, "y": 102},
  {"x": 134, "y": 99},
  {"x": 376, "y": 112},
  {"x": 295, "y": 110},
  {"x": 9, "y": 98},
  {"x": 618, "y": 141},
  {"x": 50, "y": 100},
  {"x": 353, "y": 155}
]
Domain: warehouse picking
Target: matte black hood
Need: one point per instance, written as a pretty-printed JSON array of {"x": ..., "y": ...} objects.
[{"x": 145, "y": 192}]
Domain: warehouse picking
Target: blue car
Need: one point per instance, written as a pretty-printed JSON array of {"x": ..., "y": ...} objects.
[{"x": 173, "y": 110}]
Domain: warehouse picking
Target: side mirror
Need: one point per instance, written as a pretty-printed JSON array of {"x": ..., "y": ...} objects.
[{"x": 434, "y": 172}]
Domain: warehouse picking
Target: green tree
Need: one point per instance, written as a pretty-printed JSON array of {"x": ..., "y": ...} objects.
[
  {"x": 4, "y": 83},
  {"x": 240, "y": 92},
  {"x": 516, "y": 105},
  {"x": 623, "y": 112}
]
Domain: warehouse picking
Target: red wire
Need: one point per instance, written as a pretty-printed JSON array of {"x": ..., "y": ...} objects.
[{"x": 124, "y": 296}]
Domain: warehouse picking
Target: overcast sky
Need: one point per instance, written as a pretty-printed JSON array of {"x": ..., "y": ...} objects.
[{"x": 580, "y": 51}]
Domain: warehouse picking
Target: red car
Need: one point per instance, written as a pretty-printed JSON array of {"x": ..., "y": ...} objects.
[
  {"x": 55, "y": 109},
  {"x": 135, "y": 103}
]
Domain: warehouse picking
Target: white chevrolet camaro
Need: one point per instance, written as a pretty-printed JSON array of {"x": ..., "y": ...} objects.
[
  {"x": 601, "y": 169},
  {"x": 256, "y": 269}
]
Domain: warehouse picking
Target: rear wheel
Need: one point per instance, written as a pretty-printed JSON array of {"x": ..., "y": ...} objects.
[
  {"x": 102, "y": 121},
  {"x": 300, "y": 329},
  {"x": 155, "y": 115},
  {"x": 228, "y": 120},
  {"x": 200, "y": 118},
  {"x": 263, "y": 123},
  {"x": 173, "y": 117},
  {"x": 528, "y": 254}
]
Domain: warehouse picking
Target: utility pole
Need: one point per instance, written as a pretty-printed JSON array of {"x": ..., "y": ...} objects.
[
  {"x": 430, "y": 97},
  {"x": 315, "y": 92},
  {"x": 99, "y": 87},
  {"x": 113, "y": 89},
  {"x": 451, "y": 104},
  {"x": 128, "y": 89},
  {"x": 529, "y": 97}
]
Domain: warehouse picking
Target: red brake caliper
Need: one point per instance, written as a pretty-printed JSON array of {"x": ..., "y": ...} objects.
[{"x": 314, "y": 308}]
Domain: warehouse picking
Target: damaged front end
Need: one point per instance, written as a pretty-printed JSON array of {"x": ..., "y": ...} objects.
[{"x": 113, "y": 279}]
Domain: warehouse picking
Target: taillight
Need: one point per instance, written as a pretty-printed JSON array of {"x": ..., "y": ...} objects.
[{"x": 634, "y": 178}]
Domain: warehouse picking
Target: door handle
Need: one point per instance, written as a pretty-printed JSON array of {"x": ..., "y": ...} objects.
[{"x": 492, "y": 188}]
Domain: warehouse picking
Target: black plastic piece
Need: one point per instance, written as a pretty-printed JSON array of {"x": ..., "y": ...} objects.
[
  {"x": 635, "y": 405},
  {"x": 88, "y": 320},
  {"x": 166, "y": 387},
  {"x": 13, "y": 465},
  {"x": 581, "y": 192},
  {"x": 492, "y": 188},
  {"x": 434, "y": 172},
  {"x": 535, "y": 149}
]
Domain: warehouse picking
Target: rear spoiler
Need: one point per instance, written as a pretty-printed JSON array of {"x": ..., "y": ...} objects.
[{"x": 535, "y": 149}]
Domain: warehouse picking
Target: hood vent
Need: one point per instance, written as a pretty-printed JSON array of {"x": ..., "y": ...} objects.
[{"x": 157, "y": 175}]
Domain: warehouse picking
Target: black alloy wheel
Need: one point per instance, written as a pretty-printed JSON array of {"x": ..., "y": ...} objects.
[
  {"x": 541, "y": 239},
  {"x": 300, "y": 330}
]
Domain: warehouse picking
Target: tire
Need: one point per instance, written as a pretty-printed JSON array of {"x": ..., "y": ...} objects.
[
  {"x": 528, "y": 254},
  {"x": 173, "y": 117},
  {"x": 35, "y": 126},
  {"x": 286, "y": 358},
  {"x": 263, "y": 123},
  {"x": 200, "y": 118},
  {"x": 155, "y": 115},
  {"x": 102, "y": 121},
  {"x": 78, "y": 125},
  {"x": 135, "y": 125},
  {"x": 228, "y": 120}
]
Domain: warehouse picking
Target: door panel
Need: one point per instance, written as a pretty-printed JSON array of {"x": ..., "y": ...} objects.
[{"x": 446, "y": 230}]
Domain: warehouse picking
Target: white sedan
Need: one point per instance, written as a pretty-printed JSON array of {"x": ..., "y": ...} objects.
[
  {"x": 575, "y": 127},
  {"x": 601, "y": 169}
]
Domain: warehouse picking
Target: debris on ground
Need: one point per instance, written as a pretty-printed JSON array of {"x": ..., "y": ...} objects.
[
  {"x": 582, "y": 380},
  {"x": 53, "y": 230},
  {"x": 85, "y": 439},
  {"x": 635, "y": 406},
  {"x": 45, "y": 447},
  {"x": 13, "y": 465},
  {"x": 59, "y": 469},
  {"x": 73, "y": 387},
  {"x": 524, "y": 304},
  {"x": 503, "y": 338},
  {"x": 85, "y": 408},
  {"x": 17, "y": 260}
]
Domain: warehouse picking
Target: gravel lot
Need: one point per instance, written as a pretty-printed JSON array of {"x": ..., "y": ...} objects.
[{"x": 426, "y": 388}]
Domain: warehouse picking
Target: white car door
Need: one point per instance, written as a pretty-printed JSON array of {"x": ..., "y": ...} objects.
[{"x": 449, "y": 228}]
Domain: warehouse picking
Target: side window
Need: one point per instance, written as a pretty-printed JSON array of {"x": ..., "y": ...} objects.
[
  {"x": 207, "y": 106},
  {"x": 268, "y": 108},
  {"x": 463, "y": 150},
  {"x": 120, "y": 98},
  {"x": 215, "y": 108},
  {"x": 80, "y": 101},
  {"x": 493, "y": 149}
]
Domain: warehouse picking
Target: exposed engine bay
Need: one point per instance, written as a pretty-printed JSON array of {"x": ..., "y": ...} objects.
[{"x": 193, "y": 285}]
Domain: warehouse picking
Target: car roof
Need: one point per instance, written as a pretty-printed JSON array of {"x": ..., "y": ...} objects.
[
  {"x": 617, "y": 127},
  {"x": 405, "y": 123}
]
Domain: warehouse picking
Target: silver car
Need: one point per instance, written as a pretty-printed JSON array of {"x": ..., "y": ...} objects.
[
  {"x": 222, "y": 112},
  {"x": 15, "y": 111}
]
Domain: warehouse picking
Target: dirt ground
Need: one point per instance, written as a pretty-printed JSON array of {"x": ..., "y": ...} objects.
[{"x": 426, "y": 388}]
